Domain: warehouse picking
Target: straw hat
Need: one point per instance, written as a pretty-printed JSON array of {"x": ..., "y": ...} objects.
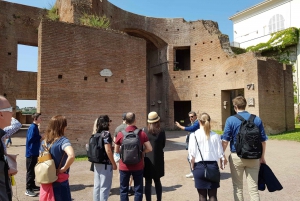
[{"x": 153, "y": 117}]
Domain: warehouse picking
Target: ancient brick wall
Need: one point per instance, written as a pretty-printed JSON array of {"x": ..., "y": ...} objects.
[
  {"x": 18, "y": 25},
  {"x": 76, "y": 52},
  {"x": 214, "y": 71},
  {"x": 275, "y": 96}
]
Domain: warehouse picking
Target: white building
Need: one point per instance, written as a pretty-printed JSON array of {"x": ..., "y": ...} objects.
[{"x": 255, "y": 25}]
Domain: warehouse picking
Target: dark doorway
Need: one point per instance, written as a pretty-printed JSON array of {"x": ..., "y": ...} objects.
[
  {"x": 182, "y": 58},
  {"x": 181, "y": 110},
  {"x": 234, "y": 93},
  {"x": 226, "y": 103}
]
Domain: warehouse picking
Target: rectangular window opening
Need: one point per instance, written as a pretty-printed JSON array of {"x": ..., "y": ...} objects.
[
  {"x": 24, "y": 110},
  {"x": 182, "y": 59},
  {"x": 27, "y": 58}
]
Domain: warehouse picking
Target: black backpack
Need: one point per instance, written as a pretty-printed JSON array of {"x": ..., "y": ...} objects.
[
  {"x": 131, "y": 149},
  {"x": 248, "y": 144},
  {"x": 96, "y": 151}
]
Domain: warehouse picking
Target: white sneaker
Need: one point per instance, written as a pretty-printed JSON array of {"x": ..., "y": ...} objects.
[{"x": 189, "y": 175}]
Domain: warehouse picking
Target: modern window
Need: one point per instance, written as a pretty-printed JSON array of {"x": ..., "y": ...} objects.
[{"x": 276, "y": 23}]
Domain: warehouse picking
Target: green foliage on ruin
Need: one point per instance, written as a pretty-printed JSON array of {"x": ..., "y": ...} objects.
[
  {"x": 95, "y": 21},
  {"x": 278, "y": 41},
  {"x": 238, "y": 50},
  {"x": 276, "y": 47},
  {"x": 53, "y": 13}
]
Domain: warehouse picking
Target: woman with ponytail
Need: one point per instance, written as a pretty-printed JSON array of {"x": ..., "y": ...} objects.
[{"x": 211, "y": 149}]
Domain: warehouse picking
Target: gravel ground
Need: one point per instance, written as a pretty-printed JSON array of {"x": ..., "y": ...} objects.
[{"x": 282, "y": 157}]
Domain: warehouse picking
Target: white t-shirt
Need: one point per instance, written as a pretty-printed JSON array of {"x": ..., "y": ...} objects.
[{"x": 211, "y": 149}]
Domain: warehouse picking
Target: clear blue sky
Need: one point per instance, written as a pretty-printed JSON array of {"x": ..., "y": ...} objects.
[{"x": 190, "y": 10}]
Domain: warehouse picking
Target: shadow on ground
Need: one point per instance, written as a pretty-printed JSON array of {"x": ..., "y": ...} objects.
[
  {"x": 116, "y": 191},
  {"x": 79, "y": 187},
  {"x": 171, "y": 188},
  {"x": 174, "y": 146},
  {"x": 225, "y": 175}
]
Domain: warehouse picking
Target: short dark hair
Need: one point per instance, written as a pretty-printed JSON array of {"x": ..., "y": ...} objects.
[
  {"x": 103, "y": 123},
  {"x": 124, "y": 115},
  {"x": 193, "y": 113},
  {"x": 35, "y": 116},
  {"x": 130, "y": 118},
  {"x": 240, "y": 102}
]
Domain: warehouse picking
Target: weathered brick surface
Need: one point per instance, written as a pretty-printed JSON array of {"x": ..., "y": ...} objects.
[
  {"x": 18, "y": 25},
  {"x": 144, "y": 61},
  {"x": 80, "y": 52}
]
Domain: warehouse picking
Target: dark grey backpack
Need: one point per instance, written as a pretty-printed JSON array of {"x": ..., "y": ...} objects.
[
  {"x": 248, "y": 144},
  {"x": 96, "y": 152},
  {"x": 131, "y": 148}
]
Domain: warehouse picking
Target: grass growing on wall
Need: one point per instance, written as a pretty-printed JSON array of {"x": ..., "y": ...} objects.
[
  {"x": 95, "y": 21},
  {"x": 53, "y": 13}
]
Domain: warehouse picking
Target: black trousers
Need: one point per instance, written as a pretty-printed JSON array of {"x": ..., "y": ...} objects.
[
  {"x": 30, "y": 175},
  {"x": 5, "y": 185},
  {"x": 158, "y": 188}
]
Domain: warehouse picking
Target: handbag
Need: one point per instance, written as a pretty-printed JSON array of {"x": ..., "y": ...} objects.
[
  {"x": 210, "y": 174},
  {"x": 45, "y": 170},
  {"x": 12, "y": 163}
]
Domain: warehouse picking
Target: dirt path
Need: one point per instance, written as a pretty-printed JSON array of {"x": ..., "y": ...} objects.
[{"x": 282, "y": 157}]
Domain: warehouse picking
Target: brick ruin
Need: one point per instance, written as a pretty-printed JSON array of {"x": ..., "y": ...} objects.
[{"x": 166, "y": 65}]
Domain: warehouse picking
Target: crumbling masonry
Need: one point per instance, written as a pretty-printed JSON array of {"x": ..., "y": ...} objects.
[{"x": 147, "y": 64}]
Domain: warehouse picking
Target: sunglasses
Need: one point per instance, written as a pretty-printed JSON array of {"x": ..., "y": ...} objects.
[
  {"x": 9, "y": 109},
  {"x": 191, "y": 116}
]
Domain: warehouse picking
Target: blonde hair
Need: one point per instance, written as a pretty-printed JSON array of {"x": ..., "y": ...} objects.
[
  {"x": 95, "y": 126},
  {"x": 205, "y": 122}
]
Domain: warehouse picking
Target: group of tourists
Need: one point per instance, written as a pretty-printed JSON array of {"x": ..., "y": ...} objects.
[
  {"x": 133, "y": 166},
  {"x": 137, "y": 161},
  {"x": 206, "y": 148}
]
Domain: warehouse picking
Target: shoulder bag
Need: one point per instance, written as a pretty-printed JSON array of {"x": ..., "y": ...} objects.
[{"x": 210, "y": 174}]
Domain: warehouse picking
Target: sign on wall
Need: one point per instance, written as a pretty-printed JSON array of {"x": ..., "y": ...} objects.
[{"x": 106, "y": 73}]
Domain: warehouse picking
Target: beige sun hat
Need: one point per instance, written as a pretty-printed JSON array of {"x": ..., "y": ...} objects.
[{"x": 153, "y": 117}]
